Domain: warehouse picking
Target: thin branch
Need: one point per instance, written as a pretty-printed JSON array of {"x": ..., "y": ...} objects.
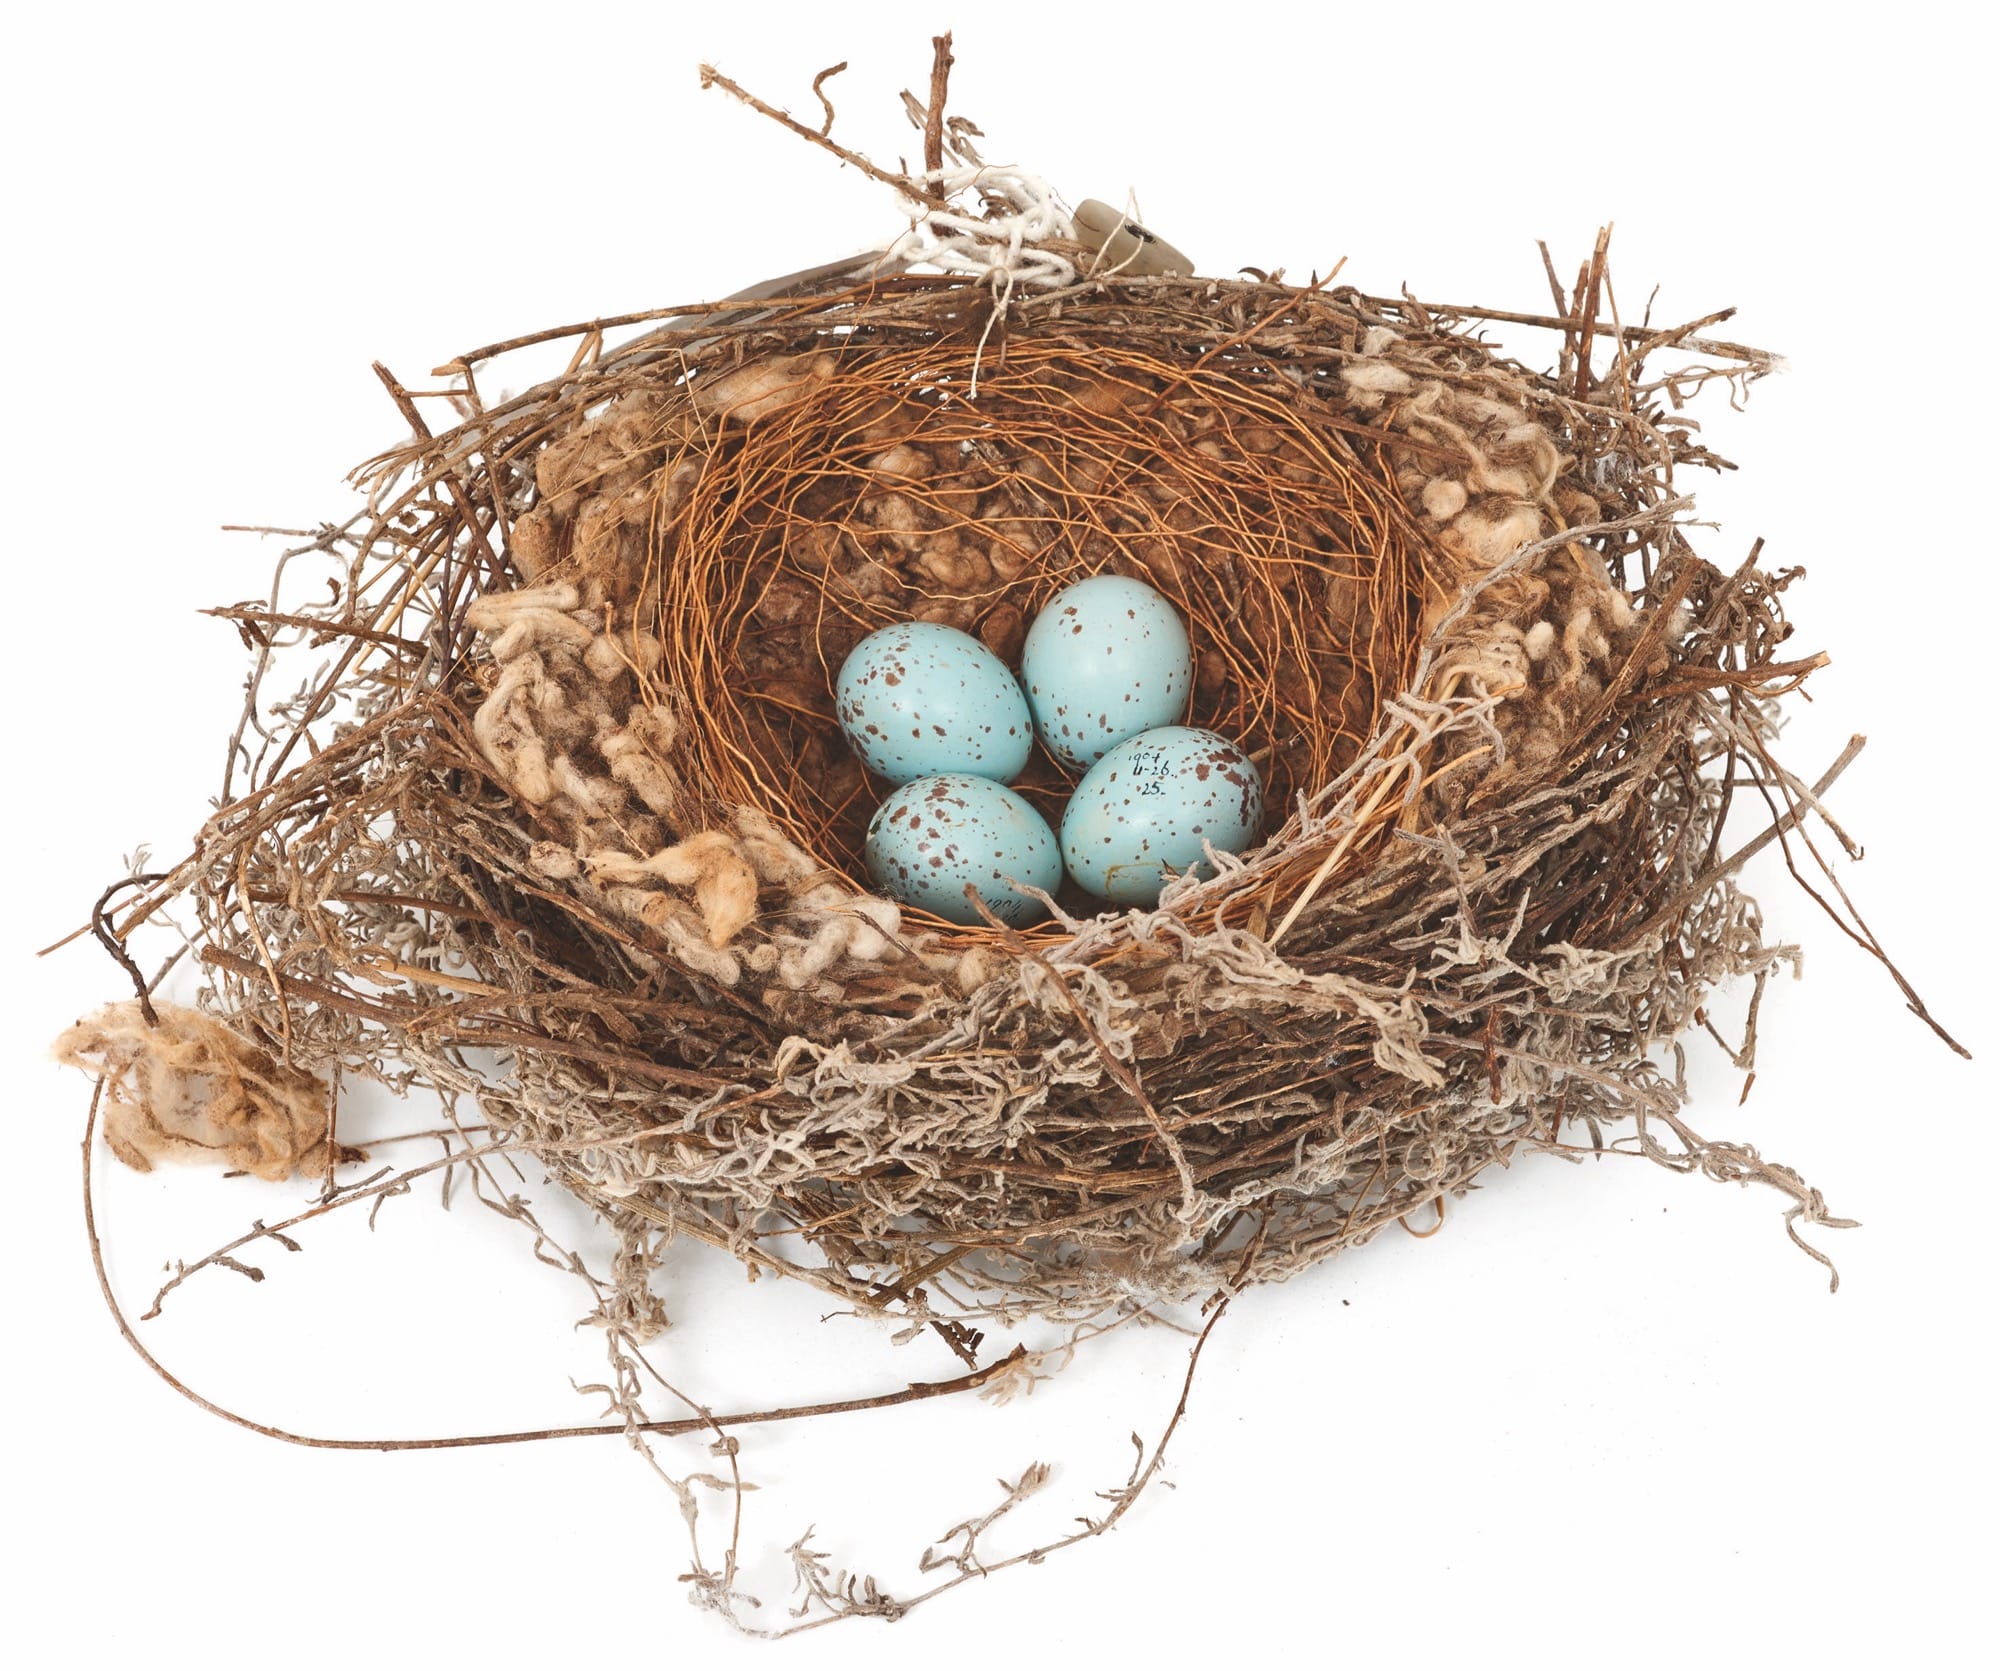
[
  {"x": 101, "y": 928},
  {"x": 826, "y": 104},
  {"x": 712, "y": 77},
  {"x": 913, "y": 1392},
  {"x": 941, "y": 62}
]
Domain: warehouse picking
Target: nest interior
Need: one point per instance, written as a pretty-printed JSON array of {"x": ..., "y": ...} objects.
[
  {"x": 782, "y": 510},
  {"x": 567, "y": 825}
]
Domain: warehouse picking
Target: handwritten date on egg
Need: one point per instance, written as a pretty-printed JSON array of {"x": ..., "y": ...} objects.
[{"x": 1155, "y": 805}]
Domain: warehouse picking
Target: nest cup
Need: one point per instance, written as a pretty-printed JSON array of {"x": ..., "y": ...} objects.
[
  {"x": 747, "y": 529},
  {"x": 593, "y": 813}
]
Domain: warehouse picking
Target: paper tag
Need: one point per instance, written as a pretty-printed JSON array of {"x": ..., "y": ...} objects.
[{"x": 1126, "y": 247}]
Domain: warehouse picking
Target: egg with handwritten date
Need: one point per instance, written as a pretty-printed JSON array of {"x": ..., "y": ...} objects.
[
  {"x": 917, "y": 699},
  {"x": 1106, "y": 659},
  {"x": 931, "y": 839},
  {"x": 1148, "y": 806}
]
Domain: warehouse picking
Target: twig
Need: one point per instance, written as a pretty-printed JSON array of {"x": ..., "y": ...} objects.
[
  {"x": 966, "y": 1568},
  {"x": 1750, "y": 849},
  {"x": 112, "y": 944},
  {"x": 1570, "y": 322},
  {"x": 911, "y": 1393},
  {"x": 318, "y": 625},
  {"x": 1858, "y": 930},
  {"x": 453, "y": 485},
  {"x": 1589, "y": 295},
  {"x": 712, "y": 77},
  {"x": 941, "y": 62},
  {"x": 826, "y": 104}
]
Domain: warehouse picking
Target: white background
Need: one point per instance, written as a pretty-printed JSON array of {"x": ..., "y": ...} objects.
[{"x": 1609, "y": 1417}]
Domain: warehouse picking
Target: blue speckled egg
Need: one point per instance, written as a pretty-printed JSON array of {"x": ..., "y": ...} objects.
[
  {"x": 917, "y": 699},
  {"x": 1107, "y": 659},
  {"x": 1151, "y": 802},
  {"x": 930, "y": 838}
]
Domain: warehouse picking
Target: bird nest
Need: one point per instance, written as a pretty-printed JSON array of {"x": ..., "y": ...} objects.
[{"x": 568, "y": 823}]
